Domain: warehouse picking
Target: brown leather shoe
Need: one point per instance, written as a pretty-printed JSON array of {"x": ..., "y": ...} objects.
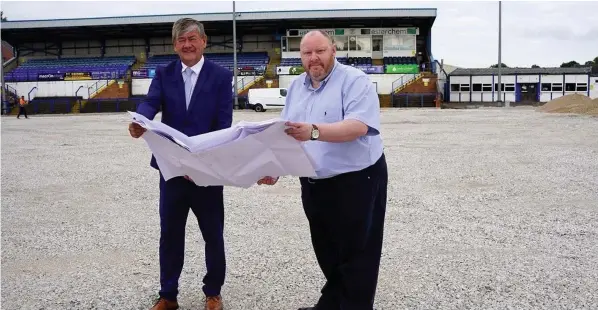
[
  {"x": 213, "y": 303},
  {"x": 164, "y": 304}
]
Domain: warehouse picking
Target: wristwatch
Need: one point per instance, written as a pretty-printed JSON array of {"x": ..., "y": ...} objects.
[{"x": 315, "y": 132}]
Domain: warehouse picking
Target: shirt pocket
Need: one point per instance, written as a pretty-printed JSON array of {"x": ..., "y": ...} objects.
[{"x": 330, "y": 114}]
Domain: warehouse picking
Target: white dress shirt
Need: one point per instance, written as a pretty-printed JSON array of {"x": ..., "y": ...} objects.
[{"x": 196, "y": 69}]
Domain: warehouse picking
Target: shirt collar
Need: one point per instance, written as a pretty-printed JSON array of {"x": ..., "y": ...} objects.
[
  {"x": 307, "y": 81},
  {"x": 196, "y": 68}
]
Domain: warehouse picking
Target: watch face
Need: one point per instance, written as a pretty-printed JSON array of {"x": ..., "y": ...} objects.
[{"x": 315, "y": 134}]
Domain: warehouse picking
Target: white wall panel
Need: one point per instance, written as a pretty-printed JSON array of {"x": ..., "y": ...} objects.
[
  {"x": 482, "y": 79},
  {"x": 53, "y": 88},
  {"x": 552, "y": 79},
  {"x": 528, "y": 78}
]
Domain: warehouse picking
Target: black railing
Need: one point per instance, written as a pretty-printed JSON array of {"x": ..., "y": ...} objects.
[{"x": 420, "y": 100}]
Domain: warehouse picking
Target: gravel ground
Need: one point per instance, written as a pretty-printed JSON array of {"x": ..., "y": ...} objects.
[{"x": 487, "y": 209}]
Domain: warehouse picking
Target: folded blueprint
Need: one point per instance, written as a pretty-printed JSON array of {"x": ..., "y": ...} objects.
[{"x": 236, "y": 156}]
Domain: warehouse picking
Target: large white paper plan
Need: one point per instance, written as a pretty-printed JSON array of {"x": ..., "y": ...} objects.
[{"x": 236, "y": 156}]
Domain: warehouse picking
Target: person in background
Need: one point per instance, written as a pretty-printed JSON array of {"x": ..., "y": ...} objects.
[
  {"x": 22, "y": 107},
  {"x": 334, "y": 109},
  {"x": 195, "y": 97}
]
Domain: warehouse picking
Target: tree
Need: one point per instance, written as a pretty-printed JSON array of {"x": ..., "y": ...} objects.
[
  {"x": 502, "y": 66},
  {"x": 570, "y": 64},
  {"x": 535, "y": 66},
  {"x": 2, "y": 16}
]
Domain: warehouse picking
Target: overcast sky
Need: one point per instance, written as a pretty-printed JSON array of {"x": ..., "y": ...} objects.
[{"x": 465, "y": 34}]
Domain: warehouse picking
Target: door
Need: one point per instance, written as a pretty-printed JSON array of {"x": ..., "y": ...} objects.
[
  {"x": 593, "y": 87},
  {"x": 529, "y": 92},
  {"x": 377, "y": 42}
]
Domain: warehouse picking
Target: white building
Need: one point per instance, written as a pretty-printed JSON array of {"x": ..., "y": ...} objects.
[{"x": 525, "y": 85}]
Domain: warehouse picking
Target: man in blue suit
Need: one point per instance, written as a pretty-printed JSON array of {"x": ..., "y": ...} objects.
[{"x": 195, "y": 97}]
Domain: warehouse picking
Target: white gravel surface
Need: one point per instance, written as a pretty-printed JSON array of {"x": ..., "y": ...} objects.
[{"x": 487, "y": 209}]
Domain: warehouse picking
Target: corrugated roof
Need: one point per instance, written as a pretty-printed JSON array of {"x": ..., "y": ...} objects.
[
  {"x": 227, "y": 16},
  {"x": 513, "y": 71}
]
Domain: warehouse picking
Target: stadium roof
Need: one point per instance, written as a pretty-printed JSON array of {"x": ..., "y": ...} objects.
[
  {"x": 16, "y": 32},
  {"x": 206, "y": 17},
  {"x": 522, "y": 71}
]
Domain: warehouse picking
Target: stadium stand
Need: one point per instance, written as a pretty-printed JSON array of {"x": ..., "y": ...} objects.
[
  {"x": 90, "y": 68},
  {"x": 297, "y": 61},
  {"x": 256, "y": 61},
  {"x": 393, "y": 46},
  {"x": 400, "y": 61}
]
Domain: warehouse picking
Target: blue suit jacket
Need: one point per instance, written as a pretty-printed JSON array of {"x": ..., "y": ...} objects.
[{"x": 211, "y": 106}]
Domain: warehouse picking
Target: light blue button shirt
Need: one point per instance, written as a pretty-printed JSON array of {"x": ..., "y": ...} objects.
[{"x": 347, "y": 93}]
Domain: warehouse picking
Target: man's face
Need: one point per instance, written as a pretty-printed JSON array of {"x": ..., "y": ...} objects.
[
  {"x": 317, "y": 56},
  {"x": 190, "y": 46}
]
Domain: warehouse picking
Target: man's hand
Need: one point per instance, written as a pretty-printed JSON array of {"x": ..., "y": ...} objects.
[
  {"x": 299, "y": 131},
  {"x": 136, "y": 130},
  {"x": 267, "y": 181}
]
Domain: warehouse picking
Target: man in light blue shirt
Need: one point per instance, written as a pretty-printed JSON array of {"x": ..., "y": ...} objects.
[{"x": 335, "y": 110}]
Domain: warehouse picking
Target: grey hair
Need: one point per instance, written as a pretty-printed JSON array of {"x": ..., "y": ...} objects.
[{"x": 185, "y": 25}]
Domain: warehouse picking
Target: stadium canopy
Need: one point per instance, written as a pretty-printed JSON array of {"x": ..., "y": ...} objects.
[
  {"x": 271, "y": 23},
  {"x": 519, "y": 71}
]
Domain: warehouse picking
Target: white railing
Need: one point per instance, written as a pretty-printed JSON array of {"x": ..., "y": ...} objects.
[
  {"x": 246, "y": 82},
  {"x": 406, "y": 78},
  {"x": 96, "y": 87}
]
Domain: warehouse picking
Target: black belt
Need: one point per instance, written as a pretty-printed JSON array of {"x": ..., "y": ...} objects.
[{"x": 338, "y": 176}]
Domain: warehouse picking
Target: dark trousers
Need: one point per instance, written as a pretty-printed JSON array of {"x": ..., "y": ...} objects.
[
  {"x": 22, "y": 111},
  {"x": 177, "y": 196},
  {"x": 346, "y": 219}
]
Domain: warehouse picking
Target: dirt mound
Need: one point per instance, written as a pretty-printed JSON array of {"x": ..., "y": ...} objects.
[{"x": 574, "y": 103}]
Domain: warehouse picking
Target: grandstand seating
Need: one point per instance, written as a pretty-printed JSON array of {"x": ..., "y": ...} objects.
[
  {"x": 400, "y": 61},
  {"x": 290, "y": 62},
  {"x": 97, "y": 67},
  {"x": 255, "y": 61},
  {"x": 361, "y": 61}
]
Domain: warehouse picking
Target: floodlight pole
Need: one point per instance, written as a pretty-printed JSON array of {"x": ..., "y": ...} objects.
[
  {"x": 236, "y": 104},
  {"x": 499, "y": 51}
]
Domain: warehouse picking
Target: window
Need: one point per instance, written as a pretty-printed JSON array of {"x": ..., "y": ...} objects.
[
  {"x": 502, "y": 88},
  {"x": 487, "y": 87},
  {"x": 546, "y": 87},
  {"x": 283, "y": 92},
  {"x": 294, "y": 43},
  {"x": 454, "y": 87},
  {"x": 352, "y": 43},
  {"x": 570, "y": 87},
  {"x": 582, "y": 87},
  {"x": 364, "y": 43},
  {"x": 557, "y": 87},
  {"x": 341, "y": 43},
  {"x": 464, "y": 87},
  {"x": 376, "y": 45},
  {"x": 476, "y": 87},
  {"x": 510, "y": 87}
]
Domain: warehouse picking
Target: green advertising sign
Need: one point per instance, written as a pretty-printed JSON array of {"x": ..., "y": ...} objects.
[
  {"x": 296, "y": 70},
  {"x": 401, "y": 69}
]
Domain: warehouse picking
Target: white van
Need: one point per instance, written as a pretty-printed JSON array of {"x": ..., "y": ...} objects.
[{"x": 262, "y": 99}]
